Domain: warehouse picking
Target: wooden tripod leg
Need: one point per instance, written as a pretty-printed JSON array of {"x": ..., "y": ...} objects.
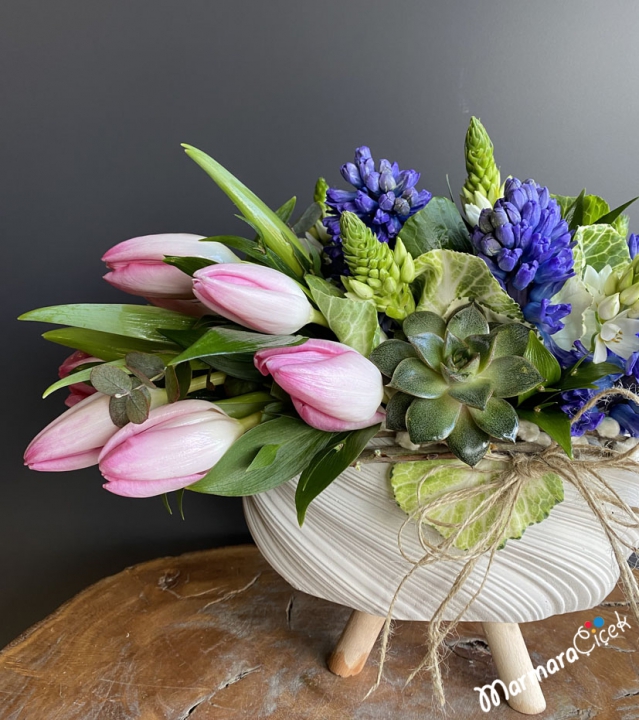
[
  {"x": 513, "y": 663},
  {"x": 355, "y": 644}
]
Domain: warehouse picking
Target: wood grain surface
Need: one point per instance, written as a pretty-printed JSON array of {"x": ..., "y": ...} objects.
[{"x": 218, "y": 635}]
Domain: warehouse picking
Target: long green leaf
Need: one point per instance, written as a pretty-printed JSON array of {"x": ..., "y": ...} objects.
[
  {"x": 227, "y": 341},
  {"x": 328, "y": 464},
  {"x": 276, "y": 233},
  {"x": 76, "y": 377},
  {"x": 137, "y": 321},
  {"x": 554, "y": 422},
  {"x": 244, "y": 405},
  {"x": 614, "y": 214},
  {"x": 255, "y": 251},
  {"x": 106, "y": 346},
  {"x": 233, "y": 475}
]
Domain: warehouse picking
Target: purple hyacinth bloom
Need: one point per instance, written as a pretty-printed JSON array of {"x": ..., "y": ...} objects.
[
  {"x": 633, "y": 245},
  {"x": 528, "y": 248},
  {"x": 627, "y": 415},
  {"x": 384, "y": 197},
  {"x": 572, "y": 401}
]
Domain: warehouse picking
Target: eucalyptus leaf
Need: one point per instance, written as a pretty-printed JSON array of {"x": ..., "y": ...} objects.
[
  {"x": 231, "y": 476},
  {"x": 354, "y": 322},
  {"x": 77, "y": 377},
  {"x": 138, "y": 404},
  {"x": 110, "y": 380},
  {"x": 328, "y": 464},
  {"x": 117, "y": 411},
  {"x": 437, "y": 226},
  {"x": 135, "y": 321},
  {"x": 275, "y": 233},
  {"x": 145, "y": 366},
  {"x": 416, "y": 483}
]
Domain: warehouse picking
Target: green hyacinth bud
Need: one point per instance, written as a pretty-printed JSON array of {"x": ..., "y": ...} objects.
[
  {"x": 483, "y": 182},
  {"x": 610, "y": 286},
  {"x": 319, "y": 196},
  {"x": 630, "y": 295},
  {"x": 377, "y": 272}
]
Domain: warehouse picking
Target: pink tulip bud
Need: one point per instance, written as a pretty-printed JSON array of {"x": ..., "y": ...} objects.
[
  {"x": 137, "y": 265},
  {"x": 254, "y": 296},
  {"x": 73, "y": 440},
  {"x": 332, "y": 386},
  {"x": 175, "y": 447},
  {"x": 81, "y": 390}
]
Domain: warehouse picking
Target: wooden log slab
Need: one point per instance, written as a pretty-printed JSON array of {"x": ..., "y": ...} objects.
[{"x": 218, "y": 635}]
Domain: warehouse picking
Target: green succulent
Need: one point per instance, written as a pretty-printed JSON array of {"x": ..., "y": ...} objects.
[
  {"x": 377, "y": 272},
  {"x": 451, "y": 378}
]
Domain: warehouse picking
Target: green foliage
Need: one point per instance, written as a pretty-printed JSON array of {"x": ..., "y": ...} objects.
[
  {"x": 456, "y": 375},
  {"x": 437, "y": 226},
  {"x": 244, "y": 405},
  {"x": 327, "y": 465},
  {"x": 188, "y": 265},
  {"x": 256, "y": 251},
  {"x": 450, "y": 278},
  {"x": 417, "y": 483},
  {"x": 552, "y": 421},
  {"x": 598, "y": 246},
  {"x": 275, "y": 233},
  {"x": 354, "y": 322},
  {"x": 133, "y": 321},
  {"x": 291, "y": 445}
]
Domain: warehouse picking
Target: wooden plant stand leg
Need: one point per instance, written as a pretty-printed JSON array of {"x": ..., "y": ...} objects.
[
  {"x": 355, "y": 644},
  {"x": 513, "y": 662}
]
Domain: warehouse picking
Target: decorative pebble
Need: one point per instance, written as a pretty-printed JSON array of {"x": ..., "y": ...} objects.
[
  {"x": 608, "y": 428},
  {"x": 626, "y": 444},
  {"x": 544, "y": 439},
  {"x": 403, "y": 440},
  {"x": 528, "y": 431},
  {"x": 580, "y": 440}
]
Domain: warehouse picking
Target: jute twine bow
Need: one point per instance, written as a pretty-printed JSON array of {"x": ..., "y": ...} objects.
[{"x": 501, "y": 496}]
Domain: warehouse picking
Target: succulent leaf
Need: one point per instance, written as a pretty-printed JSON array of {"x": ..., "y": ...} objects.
[
  {"x": 432, "y": 420},
  {"x": 452, "y": 378}
]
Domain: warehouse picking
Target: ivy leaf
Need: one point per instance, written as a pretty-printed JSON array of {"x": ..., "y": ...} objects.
[
  {"x": 110, "y": 380},
  {"x": 145, "y": 367},
  {"x": 328, "y": 464},
  {"x": 138, "y": 404},
  {"x": 117, "y": 411}
]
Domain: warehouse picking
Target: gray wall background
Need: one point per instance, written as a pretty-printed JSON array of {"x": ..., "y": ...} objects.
[{"x": 96, "y": 98}]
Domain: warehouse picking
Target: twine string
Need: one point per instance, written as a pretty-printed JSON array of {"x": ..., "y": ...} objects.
[{"x": 498, "y": 498}]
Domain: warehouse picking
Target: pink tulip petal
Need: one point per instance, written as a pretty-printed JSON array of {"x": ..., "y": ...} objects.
[
  {"x": 251, "y": 275},
  {"x": 70, "y": 462},
  {"x": 150, "y": 279},
  {"x": 321, "y": 421},
  {"x": 310, "y": 351},
  {"x": 135, "y": 489},
  {"x": 157, "y": 247}
]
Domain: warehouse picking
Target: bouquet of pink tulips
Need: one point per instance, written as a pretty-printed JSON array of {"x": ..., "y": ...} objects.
[{"x": 258, "y": 359}]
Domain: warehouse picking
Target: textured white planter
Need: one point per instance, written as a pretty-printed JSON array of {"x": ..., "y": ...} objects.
[{"x": 347, "y": 553}]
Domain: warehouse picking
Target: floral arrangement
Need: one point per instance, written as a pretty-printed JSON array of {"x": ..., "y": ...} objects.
[{"x": 381, "y": 308}]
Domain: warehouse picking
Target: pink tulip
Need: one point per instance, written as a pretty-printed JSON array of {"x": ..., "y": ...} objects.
[
  {"x": 81, "y": 390},
  {"x": 175, "y": 447},
  {"x": 74, "y": 439},
  {"x": 137, "y": 265},
  {"x": 254, "y": 296},
  {"x": 332, "y": 386}
]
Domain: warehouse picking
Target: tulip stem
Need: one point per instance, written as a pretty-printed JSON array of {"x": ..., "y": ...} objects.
[
  {"x": 202, "y": 381},
  {"x": 250, "y": 421},
  {"x": 318, "y": 318}
]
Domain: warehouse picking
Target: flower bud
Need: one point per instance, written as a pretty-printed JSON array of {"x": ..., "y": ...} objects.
[
  {"x": 610, "y": 286},
  {"x": 408, "y": 270},
  {"x": 254, "y": 296},
  {"x": 137, "y": 265},
  {"x": 81, "y": 390},
  {"x": 332, "y": 386},
  {"x": 609, "y": 308},
  {"x": 175, "y": 447},
  {"x": 626, "y": 280},
  {"x": 74, "y": 439},
  {"x": 630, "y": 295}
]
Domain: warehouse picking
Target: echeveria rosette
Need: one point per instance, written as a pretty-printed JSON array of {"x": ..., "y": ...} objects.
[
  {"x": 528, "y": 248},
  {"x": 384, "y": 197},
  {"x": 451, "y": 379}
]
